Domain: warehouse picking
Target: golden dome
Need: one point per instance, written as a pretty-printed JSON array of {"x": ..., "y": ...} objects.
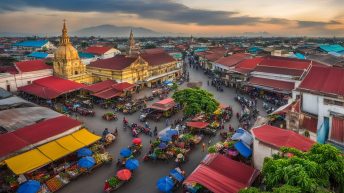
[
  {"x": 67, "y": 52},
  {"x": 66, "y": 49}
]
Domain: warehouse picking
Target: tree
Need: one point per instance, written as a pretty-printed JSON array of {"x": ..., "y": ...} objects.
[
  {"x": 320, "y": 169},
  {"x": 196, "y": 100}
]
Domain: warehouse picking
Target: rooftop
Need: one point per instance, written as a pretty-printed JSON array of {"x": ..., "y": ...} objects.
[
  {"x": 32, "y": 65},
  {"x": 32, "y": 43},
  {"x": 118, "y": 62}
]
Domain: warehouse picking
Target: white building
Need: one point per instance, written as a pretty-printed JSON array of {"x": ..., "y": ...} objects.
[
  {"x": 27, "y": 71},
  {"x": 269, "y": 139},
  {"x": 34, "y": 45},
  {"x": 102, "y": 52},
  {"x": 322, "y": 95}
]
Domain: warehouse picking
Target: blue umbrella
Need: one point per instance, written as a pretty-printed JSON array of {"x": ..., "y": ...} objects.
[
  {"x": 165, "y": 138},
  {"x": 165, "y": 184},
  {"x": 125, "y": 152},
  {"x": 172, "y": 132},
  {"x": 30, "y": 186},
  {"x": 162, "y": 145},
  {"x": 132, "y": 164},
  {"x": 84, "y": 152},
  {"x": 86, "y": 162}
]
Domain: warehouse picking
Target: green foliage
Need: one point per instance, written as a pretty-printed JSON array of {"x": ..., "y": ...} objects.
[
  {"x": 212, "y": 149},
  {"x": 195, "y": 100},
  {"x": 315, "y": 171},
  {"x": 250, "y": 190},
  {"x": 174, "y": 86}
]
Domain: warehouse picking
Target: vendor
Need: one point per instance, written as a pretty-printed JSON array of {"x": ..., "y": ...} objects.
[{"x": 105, "y": 132}]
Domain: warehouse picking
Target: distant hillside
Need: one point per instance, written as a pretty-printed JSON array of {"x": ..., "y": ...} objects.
[{"x": 115, "y": 31}]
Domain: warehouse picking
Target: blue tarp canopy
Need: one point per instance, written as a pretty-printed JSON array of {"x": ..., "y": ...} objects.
[
  {"x": 176, "y": 175},
  {"x": 332, "y": 48},
  {"x": 243, "y": 136},
  {"x": 299, "y": 56},
  {"x": 254, "y": 49},
  {"x": 38, "y": 55},
  {"x": 243, "y": 149}
]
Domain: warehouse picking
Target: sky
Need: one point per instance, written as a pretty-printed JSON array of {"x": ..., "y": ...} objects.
[{"x": 196, "y": 17}]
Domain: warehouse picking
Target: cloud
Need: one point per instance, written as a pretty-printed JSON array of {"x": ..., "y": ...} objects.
[
  {"x": 312, "y": 24},
  {"x": 167, "y": 10}
]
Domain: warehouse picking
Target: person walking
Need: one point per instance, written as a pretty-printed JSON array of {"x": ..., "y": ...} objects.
[{"x": 203, "y": 147}]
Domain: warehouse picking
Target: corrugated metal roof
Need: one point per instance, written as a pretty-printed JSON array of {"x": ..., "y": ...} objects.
[{"x": 38, "y": 55}]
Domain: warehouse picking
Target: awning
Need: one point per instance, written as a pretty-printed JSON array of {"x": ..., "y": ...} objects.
[
  {"x": 198, "y": 125},
  {"x": 243, "y": 149},
  {"x": 108, "y": 94},
  {"x": 163, "y": 105},
  {"x": 70, "y": 143},
  {"x": 86, "y": 137},
  {"x": 27, "y": 161},
  {"x": 53, "y": 150},
  {"x": 270, "y": 84}
]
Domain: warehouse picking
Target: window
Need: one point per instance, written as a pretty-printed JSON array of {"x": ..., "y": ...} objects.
[
  {"x": 76, "y": 72},
  {"x": 29, "y": 82},
  {"x": 333, "y": 102}
]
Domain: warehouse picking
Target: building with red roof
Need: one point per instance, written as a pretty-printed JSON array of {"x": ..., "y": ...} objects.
[
  {"x": 102, "y": 52},
  {"x": 51, "y": 87},
  {"x": 159, "y": 58},
  {"x": 23, "y": 73},
  {"x": 226, "y": 63},
  {"x": 220, "y": 174},
  {"x": 269, "y": 139},
  {"x": 31, "y": 65},
  {"x": 322, "y": 93}
]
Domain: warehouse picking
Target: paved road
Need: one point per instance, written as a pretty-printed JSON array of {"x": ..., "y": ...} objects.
[{"x": 146, "y": 176}]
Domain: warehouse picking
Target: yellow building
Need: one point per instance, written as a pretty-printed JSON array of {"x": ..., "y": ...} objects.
[
  {"x": 67, "y": 63},
  {"x": 144, "y": 70}
]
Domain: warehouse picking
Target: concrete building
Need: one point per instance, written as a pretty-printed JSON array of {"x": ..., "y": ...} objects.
[
  {"x": 102, "y": 52},
  {"x": 269, "y": 139}
]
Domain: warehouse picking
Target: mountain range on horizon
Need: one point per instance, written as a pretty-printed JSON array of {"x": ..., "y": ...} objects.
[{"x": 107, "y": 30}]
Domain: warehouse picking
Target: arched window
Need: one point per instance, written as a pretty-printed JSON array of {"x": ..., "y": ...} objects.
[{"x": 76, "y": 72}]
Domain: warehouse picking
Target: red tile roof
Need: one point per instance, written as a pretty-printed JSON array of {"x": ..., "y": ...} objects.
[
  {"x": 46, "y": 129},
  {"x": 100, "y": 86},
  {"x": 119, "y": 62},
  {"x": 158, "y": 58},
  {"x": 97, "y": 50},
  {"x": 51, "y": 87},
  {"x": 212, "y": 175},
  {"x": 249, "y": 63},
  {"x": 326, "y": 80},
  {"x": 123, "y": 86},
  {"x": 232, "y": 60},
  {"x": 275, "y": 84},
  {"x": 213, "y": 56},
  {"x": 278, "y": 137},
  {"x": 278, "y": 70},
  {"x": 284, "y": 62},
  {"x": 153, "y": 51},
  {"x": 31, "y": 65},
  {"x": 163, "y": 105}
]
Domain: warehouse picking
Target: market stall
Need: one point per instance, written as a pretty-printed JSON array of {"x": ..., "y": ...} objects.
[{"x": 167, "y": 107}]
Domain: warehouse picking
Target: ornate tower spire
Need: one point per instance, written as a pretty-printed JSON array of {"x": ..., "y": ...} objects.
[
  {"x": 131, "y": 42},
  {"x": 64, "y": 38}
]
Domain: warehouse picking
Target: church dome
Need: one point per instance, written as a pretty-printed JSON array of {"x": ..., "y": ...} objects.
[
  {"x": 66, "y": 49},
  {"x": 67, "y": 52}
]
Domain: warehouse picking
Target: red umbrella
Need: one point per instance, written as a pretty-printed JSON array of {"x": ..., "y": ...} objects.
[
  {"x": 137, "y": 141},
  {"x": 124, "y": 174}
]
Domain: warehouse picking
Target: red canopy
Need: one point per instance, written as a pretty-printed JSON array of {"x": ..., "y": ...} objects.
[
  {"x": 220, "y": 174},
  {"x": 123, "y": 86},
  {"x": 124, "y": 174},
  {"x": 163, "y": 105},
  {"x": 11, "y": 143},
  {"x": 199, "y": 125},
  {"x": 108, "y": 94},
  {"x": 51, "y": 87},
  {"x": 274, "y": 84},
  {"x": 100, "y": 86},
  {"x": 46, "y": 129}
]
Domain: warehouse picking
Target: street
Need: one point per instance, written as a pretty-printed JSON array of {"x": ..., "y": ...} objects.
[{"x": 145, "y": 178}]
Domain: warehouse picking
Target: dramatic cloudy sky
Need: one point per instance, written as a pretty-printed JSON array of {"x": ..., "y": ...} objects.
[{"x": 198, "y": 17}]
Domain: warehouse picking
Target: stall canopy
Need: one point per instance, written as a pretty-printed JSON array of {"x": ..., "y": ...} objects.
[
  {"x": 70, "y": 143},
  {"x": 27, "y": 161},
  {"x": 274, "y": 85},
  {"x": 212, "y": 175},
  {"x": 108, "y": 94},
  {"x": 243, "y": 149},
  {"x": 85, "y": 137},
  {"x": 163, "y": 105},
  {"x": 100, "y": 86},
  {"x": 198, "y": 125},
  {"x": 53, "y": 150},
  {"x": 51, "y": 87},
  {"x": 46, "y": 129},
  {"x": 123, "y": 86},
  {"x": 10, "y": 143}
]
